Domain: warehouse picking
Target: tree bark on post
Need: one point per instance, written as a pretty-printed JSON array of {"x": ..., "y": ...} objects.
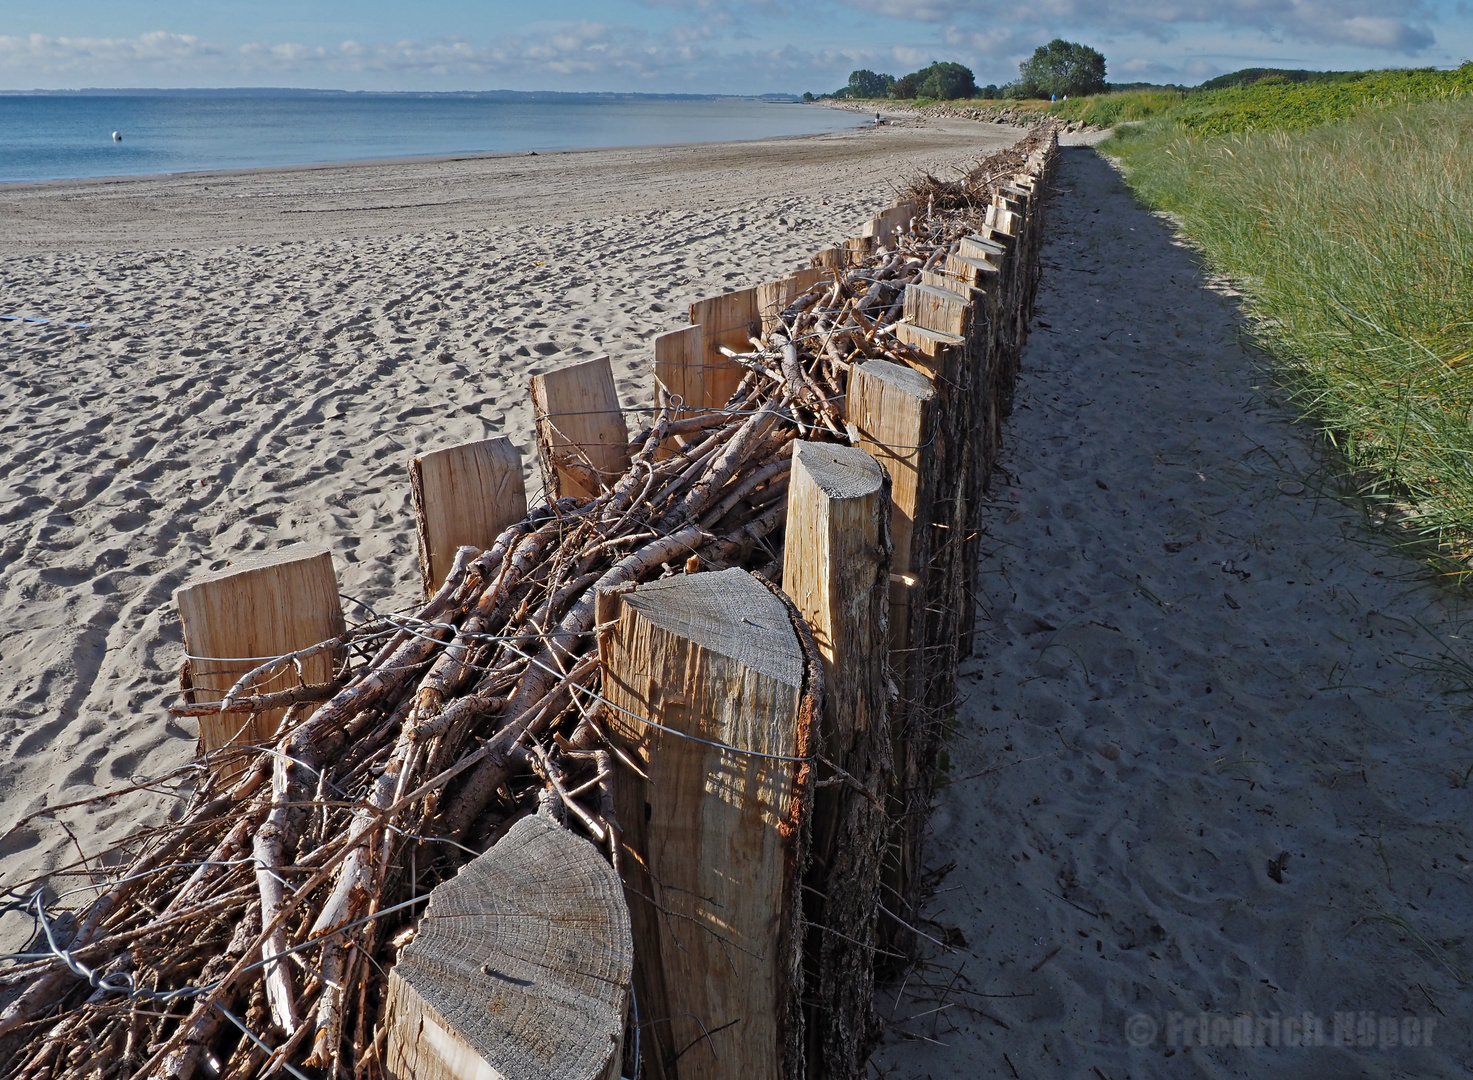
[{"x": 836, "y": 569}]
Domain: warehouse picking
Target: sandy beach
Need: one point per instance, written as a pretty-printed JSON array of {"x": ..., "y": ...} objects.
[{"x": 265, "y": 352}]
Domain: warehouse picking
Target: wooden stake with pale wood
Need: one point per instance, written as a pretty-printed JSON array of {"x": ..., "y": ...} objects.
[
  {"x": 892, "y": 409},
  {"x": 836, "y": 569},
  {"x": 582, "y": 441},
  {"x": 234, "y": 619},
  {"x": 520, "y": 968},
  {"x": 680, "y": 368},
  {"x": 731, "y": 319},
  {"x": 774, "y": 296},
  {"x": 985, "y": 251},
  {"x": 895, "y": 413},
  {"x": 712, "y": 840},
  {"x": 884, "y": 226},
  {"x": 463, "y": 495},
  {"x": 979, "y": 273}
]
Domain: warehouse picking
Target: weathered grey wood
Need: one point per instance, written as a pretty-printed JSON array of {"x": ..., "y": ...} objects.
[
  {"x": 836, "y": 569},
  {"x": 520, "y": 970},
  {"x": 712, "y": 839},
  {"x": 938, "y": 309}
]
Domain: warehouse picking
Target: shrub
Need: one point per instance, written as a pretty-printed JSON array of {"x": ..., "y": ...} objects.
[{"x": 942, "y": 81}]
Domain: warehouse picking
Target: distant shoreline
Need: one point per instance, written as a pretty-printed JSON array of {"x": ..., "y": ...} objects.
[
  {"x": 7, "y": 186},
  {"x": 307, "y": 92},
  {"x": 80, "y": 136}
]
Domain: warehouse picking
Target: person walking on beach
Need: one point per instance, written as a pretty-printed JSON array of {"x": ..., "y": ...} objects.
[{"x": 878, "y": 121}]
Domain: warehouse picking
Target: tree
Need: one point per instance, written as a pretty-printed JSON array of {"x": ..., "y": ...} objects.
[
  {"x": 947, "y": 82},
  {"x": 942, "y": 81},
  {"x": 1061, "y": 67},
  {"x": 869, "y": 84}
]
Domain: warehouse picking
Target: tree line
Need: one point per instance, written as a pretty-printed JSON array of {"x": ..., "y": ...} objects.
[{"x": 1058, "y": 69}]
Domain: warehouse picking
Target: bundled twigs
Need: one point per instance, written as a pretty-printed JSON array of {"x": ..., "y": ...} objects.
[{"x": 252, "y": 935}]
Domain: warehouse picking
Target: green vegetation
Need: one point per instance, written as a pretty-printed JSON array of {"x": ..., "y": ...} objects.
[
  {"x": 1107, "y": 110},
  {"x": 941, "y": 81},
  {"x": 869, "y": 84},
  {"x": 1061, "y": 68},
  {"x": 1353, "y": 242},
  {"x": 1278, "y": 103}
]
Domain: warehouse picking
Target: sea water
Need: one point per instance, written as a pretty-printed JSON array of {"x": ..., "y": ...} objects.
[{"x": 52, "y": 136}]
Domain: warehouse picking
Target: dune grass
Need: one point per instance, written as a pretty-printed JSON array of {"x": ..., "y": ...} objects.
[
  {"x": 1107, "y": 110},
  {"x": 1353, "y": 242}
]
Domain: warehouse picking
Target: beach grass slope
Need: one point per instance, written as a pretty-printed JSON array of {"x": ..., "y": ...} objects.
[{"x": 1353, "y": 242}]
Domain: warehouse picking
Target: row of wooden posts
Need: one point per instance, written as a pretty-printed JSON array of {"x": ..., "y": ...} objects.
[{"x": 536, "y": 960}]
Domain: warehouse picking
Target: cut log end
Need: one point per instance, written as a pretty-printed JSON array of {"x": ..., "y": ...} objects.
[
  {"x": 520, "y": 970},
  {"x": 840, "y": 472}
]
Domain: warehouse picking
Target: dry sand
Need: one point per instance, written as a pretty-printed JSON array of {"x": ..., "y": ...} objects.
[
  {"x": 268, "y": 349},
  {"x": 1196, "y": 662}
]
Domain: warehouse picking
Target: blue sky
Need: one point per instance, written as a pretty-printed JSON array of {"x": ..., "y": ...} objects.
[{"x": 696, "y": 46}]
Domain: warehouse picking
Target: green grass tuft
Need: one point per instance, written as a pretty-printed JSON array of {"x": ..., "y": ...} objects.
[{"x": 1354, "y": 244}]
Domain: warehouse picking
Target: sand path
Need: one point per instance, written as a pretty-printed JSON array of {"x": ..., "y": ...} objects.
[
  {"x": 268, "y": 349},
  {"x": 1194, "y": 660}
]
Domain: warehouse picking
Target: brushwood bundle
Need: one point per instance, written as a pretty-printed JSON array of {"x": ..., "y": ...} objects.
[{"x": 253, "y": 934}]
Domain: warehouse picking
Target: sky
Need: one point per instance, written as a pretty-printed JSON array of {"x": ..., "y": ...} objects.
[{"x": 691, "y": 46}]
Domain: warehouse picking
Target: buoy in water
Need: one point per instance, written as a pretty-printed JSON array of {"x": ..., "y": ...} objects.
[{"x": 117, "y": 137}]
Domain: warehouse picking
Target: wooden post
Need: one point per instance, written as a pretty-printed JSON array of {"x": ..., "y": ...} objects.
[
  {"x": 952, "y": 342},
  {"x": 463, "y": 494},
  {"x": 987, "y": 252},
  {"x": 520, "y": 968},
  {"x": 831, "y": 258},
  {"x": 582, "y": 443},
  {"x": 774, "y": 296},
  {"x": 884, "y": 226},
  {"x": 680, "y": 368},
  {"x": 836, "y": 569},
  {"x": 235, "y": 619},
  {"x": 892, "y": 409},
  {"x": 730, "y": 319},
  {"x": 938, "y": 309},
  {"x": 713, "y": 839},
  {"x": 898, "y": 416}
]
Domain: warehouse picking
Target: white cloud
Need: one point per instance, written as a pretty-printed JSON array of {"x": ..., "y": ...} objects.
[
  {"x": 152, "y": 51},
  {"x": 1401, "y": 26}
]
